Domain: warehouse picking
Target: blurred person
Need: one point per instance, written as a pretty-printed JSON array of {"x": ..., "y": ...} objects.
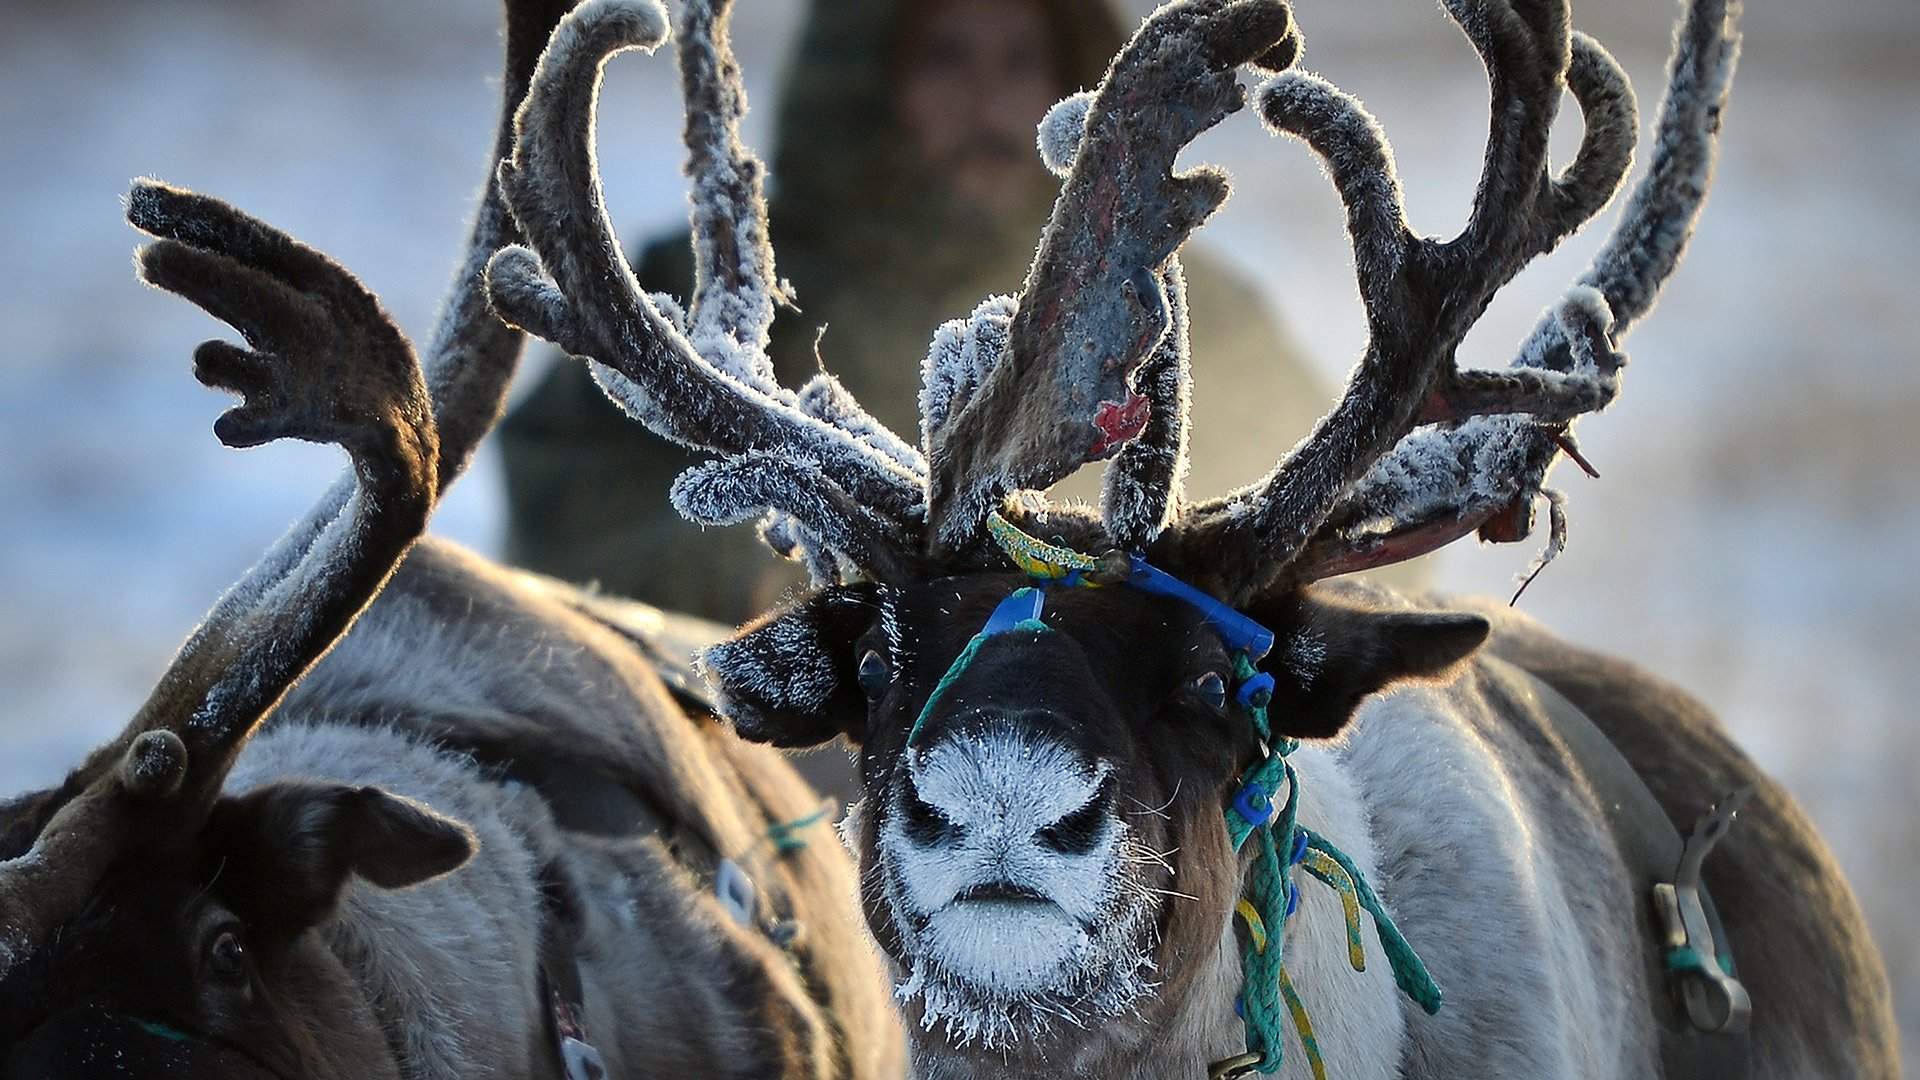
[{"x": 905, "y": 187}]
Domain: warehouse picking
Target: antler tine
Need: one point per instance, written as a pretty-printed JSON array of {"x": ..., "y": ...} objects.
[
  {"x": 471, "y": 359},
  {"x": 1658, "y": 221},
  {"x": 712, "y": 392},
  {"x": 735, "y": 490},
  {"x": 1141, "y": 492},
  {"x": 326, "y": 364},
  {"x": 330, "y": 366},
  {"x": 1487, "y": 474},
  {"x": 1093, "y": 308},
  {"x": 734, "y": 284}
]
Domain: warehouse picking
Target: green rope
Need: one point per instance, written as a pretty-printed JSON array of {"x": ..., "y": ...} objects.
[
  {"x": 1409, "y": 974},
  {"x": 784, "y": 833},
  {"x": 959, "y": 668},
  {"x": 1266, "y": 995}
]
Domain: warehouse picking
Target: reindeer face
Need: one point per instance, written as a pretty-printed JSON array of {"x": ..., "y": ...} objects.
[
  {"x": 201, "y": 956},
  {"x": 1022, "y": 846},
  {"x": 1023, "y": 849},
  {"x": 1042, "y": 837}
]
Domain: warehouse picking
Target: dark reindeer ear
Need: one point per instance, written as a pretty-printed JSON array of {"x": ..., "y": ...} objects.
[
  {"x": 788, "y": 678},
  {"x": 1330, "y": 657},
  {"x": 291, "y": 847}
]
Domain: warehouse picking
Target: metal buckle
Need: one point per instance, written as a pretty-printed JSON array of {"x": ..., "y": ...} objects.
[
  {"x": 1715, "y": 1002},
  {"x": 1233, "y": 1068},
  {"x": 581, "y": 1060}
]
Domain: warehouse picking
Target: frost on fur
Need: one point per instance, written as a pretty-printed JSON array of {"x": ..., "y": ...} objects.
[
  {"x": 1061, "y": 130},
  {"x": 964, "y": 352},
  {"x": 1418, "y": 453}
]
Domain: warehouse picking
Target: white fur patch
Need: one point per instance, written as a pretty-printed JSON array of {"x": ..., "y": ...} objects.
[{"x": 996, "y": 970}]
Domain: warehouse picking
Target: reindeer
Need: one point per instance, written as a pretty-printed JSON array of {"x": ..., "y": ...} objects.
[
  {"x": 1088, "y": 811},
  {"x": 480, "y": 836}
]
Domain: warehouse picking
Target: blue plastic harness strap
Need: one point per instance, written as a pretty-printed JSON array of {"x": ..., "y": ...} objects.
[{"x": 1240, "y": 633}]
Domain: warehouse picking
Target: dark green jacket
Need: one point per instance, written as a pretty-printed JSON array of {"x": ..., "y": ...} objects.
[{"x": 879, "y": 257}]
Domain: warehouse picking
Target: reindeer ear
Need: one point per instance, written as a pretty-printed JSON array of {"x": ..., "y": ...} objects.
[
  {"x": 787, "y": 678},
  {"x": 1330, "y": 657},
  {"x": 293, "y": 845}
]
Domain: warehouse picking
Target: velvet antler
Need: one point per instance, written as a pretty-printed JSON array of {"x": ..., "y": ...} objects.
[
  {"x": 1423, "y": 295},
  {"x": 815, "y": 457},
  {"x": 1486, "y": 474},
  {"x": 1095, "y": 305},
  {"x": 323, "y": 363}
]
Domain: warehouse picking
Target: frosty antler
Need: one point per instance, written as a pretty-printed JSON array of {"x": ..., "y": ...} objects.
[
  {"x": 1486, "y": 474},
  {"x": 815, "y": 457},
  {"x": 1423, "y": 295},
  {"x": 325, "y": 365},
  {"x": 1095, "y": 306}
]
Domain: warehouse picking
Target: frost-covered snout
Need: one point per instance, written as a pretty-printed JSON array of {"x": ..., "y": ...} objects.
[{"x": 1001, "y": 849}]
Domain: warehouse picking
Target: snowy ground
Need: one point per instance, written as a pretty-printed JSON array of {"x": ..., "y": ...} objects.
[{"x": 1759, "y": 478}]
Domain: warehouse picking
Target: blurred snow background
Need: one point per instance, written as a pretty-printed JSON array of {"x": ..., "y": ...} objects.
[{"x": 1760, "y": 483}]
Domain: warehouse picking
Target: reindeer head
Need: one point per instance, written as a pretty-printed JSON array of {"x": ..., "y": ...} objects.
[
  {"x": 150, "y": 923},
  {"x": 1044, "y": 770}
]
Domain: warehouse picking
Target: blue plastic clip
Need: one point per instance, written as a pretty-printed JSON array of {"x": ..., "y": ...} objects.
[
  {"x": 1293, "y": 900},
  {"x": 1299, "y": 847},
  {"x": 1255, "y": 804},
  {"x": 734, "y": 889},
  {"x": 1256, "y": 692},
  {"x": 1236, "y": 630}
]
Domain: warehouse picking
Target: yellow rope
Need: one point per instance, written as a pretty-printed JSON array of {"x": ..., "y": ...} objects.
[
  {"x": 1303, "y": 1025},
  {"x": 1322, "y": 866},
  {"x": 1035, "y": 556}
]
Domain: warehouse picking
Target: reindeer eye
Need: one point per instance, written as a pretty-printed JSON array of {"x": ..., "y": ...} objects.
[
  {"x": 873, "y": 673},
  {"x": 227, "y": 956},
  {"x": 1211, "y": 689}
]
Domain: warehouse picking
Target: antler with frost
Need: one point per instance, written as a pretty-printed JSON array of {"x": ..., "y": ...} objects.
[
  {"x": 1423, "y": 295},
  {"x": 326, "y": 364},
  {"x": 1095, "y": 305},
  {"x": 1486, "y": 474},
  {"x": 707, "y": 383}
]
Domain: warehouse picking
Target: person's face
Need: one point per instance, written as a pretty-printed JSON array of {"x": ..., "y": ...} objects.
[{"x": 975, "y": 78}]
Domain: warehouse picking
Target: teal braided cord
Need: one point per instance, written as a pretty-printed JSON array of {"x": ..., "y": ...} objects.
[
  {"x": 954, "y": 671},
  {"x": 1268, "y": 883},
  {"x": 784, "y": 834},
  {"x": 1260, "y": 1003},
  {"x": 1243, "y": 670},
  {"x": 1408, "y": 972},
  {"x": 1266, "y": 776}
]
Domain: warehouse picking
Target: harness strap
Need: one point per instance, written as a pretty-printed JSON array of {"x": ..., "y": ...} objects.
[
  {"x": 1651, "y": 847},
  {"x": 560, "y": 984}
]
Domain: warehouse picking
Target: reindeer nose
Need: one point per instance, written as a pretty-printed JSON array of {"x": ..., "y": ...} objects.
[{"x": 1006, "y": 790}]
